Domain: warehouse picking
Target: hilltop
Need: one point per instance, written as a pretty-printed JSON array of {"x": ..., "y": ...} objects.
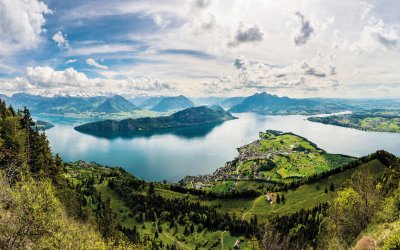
[
  {"x": 188, "y": 117},
  {"x": 276, "y": 157},
  {"x": 116, "y": 104},
  {"x": 173, "y": 103}
]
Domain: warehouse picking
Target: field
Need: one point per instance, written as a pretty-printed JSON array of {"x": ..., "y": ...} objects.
[
  {"x": 276, "y": 157},
  {"x": 388, "y": 121},
  {"x": 303, "y": 197},
  {"x": 286, "y": 156}
]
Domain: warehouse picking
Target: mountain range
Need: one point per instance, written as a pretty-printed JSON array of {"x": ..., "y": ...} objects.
[{"x": 264, "y": 103}]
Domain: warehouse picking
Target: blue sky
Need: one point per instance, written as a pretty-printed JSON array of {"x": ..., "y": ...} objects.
[{"x": 307, "y": 48}]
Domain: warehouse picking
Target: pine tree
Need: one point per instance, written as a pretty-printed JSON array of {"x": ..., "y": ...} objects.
[
  {"x": 278, "y": 199},
  {"x": 332, "y": 187}
]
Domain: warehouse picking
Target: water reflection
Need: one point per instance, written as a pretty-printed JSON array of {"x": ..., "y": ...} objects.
[
  {"x": 187, "y": 132},
  {"x": 190, "y": 151}
]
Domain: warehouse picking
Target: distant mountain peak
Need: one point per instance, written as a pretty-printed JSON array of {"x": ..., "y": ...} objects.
[
  {"x": 116, "y": 104},
  {"x": 173, "y": 103}
]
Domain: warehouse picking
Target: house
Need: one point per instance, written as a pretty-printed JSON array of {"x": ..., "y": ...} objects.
[
  {"x": 270, "y": 197},
  {"x": 237, "y": 244}
]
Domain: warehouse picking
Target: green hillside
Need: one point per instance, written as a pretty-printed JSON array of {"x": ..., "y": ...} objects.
[
  {"x": 188, "y": 117},
  {"x": 49, "y": 204},
  {"x": 276, "y": 157}
]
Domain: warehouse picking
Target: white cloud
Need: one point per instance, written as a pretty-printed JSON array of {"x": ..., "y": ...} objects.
[
  {"x": 48, "y": 80},
  {"x": 93, "y": 63},
  {"x": 47, "y": 77},
  {"x": 297, "y": 79},
  {"x": 71, "y": 61},
  {"x": 60, "y": 39},
  {"x": 21, "y": 24}
]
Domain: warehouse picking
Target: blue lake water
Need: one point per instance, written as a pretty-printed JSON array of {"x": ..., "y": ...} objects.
[{"x": 173, "y": 154}]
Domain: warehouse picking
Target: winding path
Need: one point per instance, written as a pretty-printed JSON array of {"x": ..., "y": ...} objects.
[
  {"x": 254, "y": 203},
  {"x": 177, "y": 241},
  {"x": 222, "y": 240}
]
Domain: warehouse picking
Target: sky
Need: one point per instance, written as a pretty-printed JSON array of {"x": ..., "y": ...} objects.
[{"x": 200, "y": 48}]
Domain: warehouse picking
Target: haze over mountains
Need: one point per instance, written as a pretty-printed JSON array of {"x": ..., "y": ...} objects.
[
  {"x": 261, "y": 103},
  {"x": 165, "y": 104}
]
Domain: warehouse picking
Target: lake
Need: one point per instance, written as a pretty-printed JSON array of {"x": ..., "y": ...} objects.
[{"x": 173, "y": 154}]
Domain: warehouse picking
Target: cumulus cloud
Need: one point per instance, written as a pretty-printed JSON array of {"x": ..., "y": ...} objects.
[
  {"x": 60, "y": 39},
  {"x": 247, "y": 35},
  {"x": 295, "y": 79},
  {"x": 93, "y": 63},
  {"x": 46, "y": 79},
  {"x": 21, "y": 24},
  {"x": 304, "y": 30}
]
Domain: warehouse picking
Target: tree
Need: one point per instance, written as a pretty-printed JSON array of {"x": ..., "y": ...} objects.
[
  {"x": 283, "y": 199},
  {"x": 151, "y": 189},
  {"x": 326, "y": 190},
  {"x": 278, "y": 199},
  {"x": 332, "y": 187}
]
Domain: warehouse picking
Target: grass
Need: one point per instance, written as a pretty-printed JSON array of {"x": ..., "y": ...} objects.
[
  {"x": 370, "y": 121},
  {"x": 284, "y": 157},
  {"x": 304, "y": 197}
]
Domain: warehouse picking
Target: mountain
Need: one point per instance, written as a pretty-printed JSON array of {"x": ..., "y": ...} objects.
[
  {"x": 56, "y": 105},
  {"x": 116, "y": 104},
  {"x": 264, "y": 103},
  {"x": 150, "y": 102},
  {"x": 172, "y": 104},
  {"x": 188, "y": 117},
  {"x": 231, "y": 101}
]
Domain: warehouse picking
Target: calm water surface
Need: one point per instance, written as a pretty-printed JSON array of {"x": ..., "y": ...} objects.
[{"x": 175, "y": 153}]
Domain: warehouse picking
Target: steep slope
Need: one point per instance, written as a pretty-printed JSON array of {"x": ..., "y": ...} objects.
[
  {"x": 187, "y": 117},
  {"x": 151, "y": 102},
  {"x": 231, "y": 102},
  {"x": 116, "y": 104},
  {"x": 173, "y": 104}
]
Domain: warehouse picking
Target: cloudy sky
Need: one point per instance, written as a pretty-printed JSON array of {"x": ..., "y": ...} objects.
[{"x": 302, "y": 48}]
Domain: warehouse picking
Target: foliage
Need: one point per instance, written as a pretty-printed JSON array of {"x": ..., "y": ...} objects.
[{"x": 378, "y": 120}]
